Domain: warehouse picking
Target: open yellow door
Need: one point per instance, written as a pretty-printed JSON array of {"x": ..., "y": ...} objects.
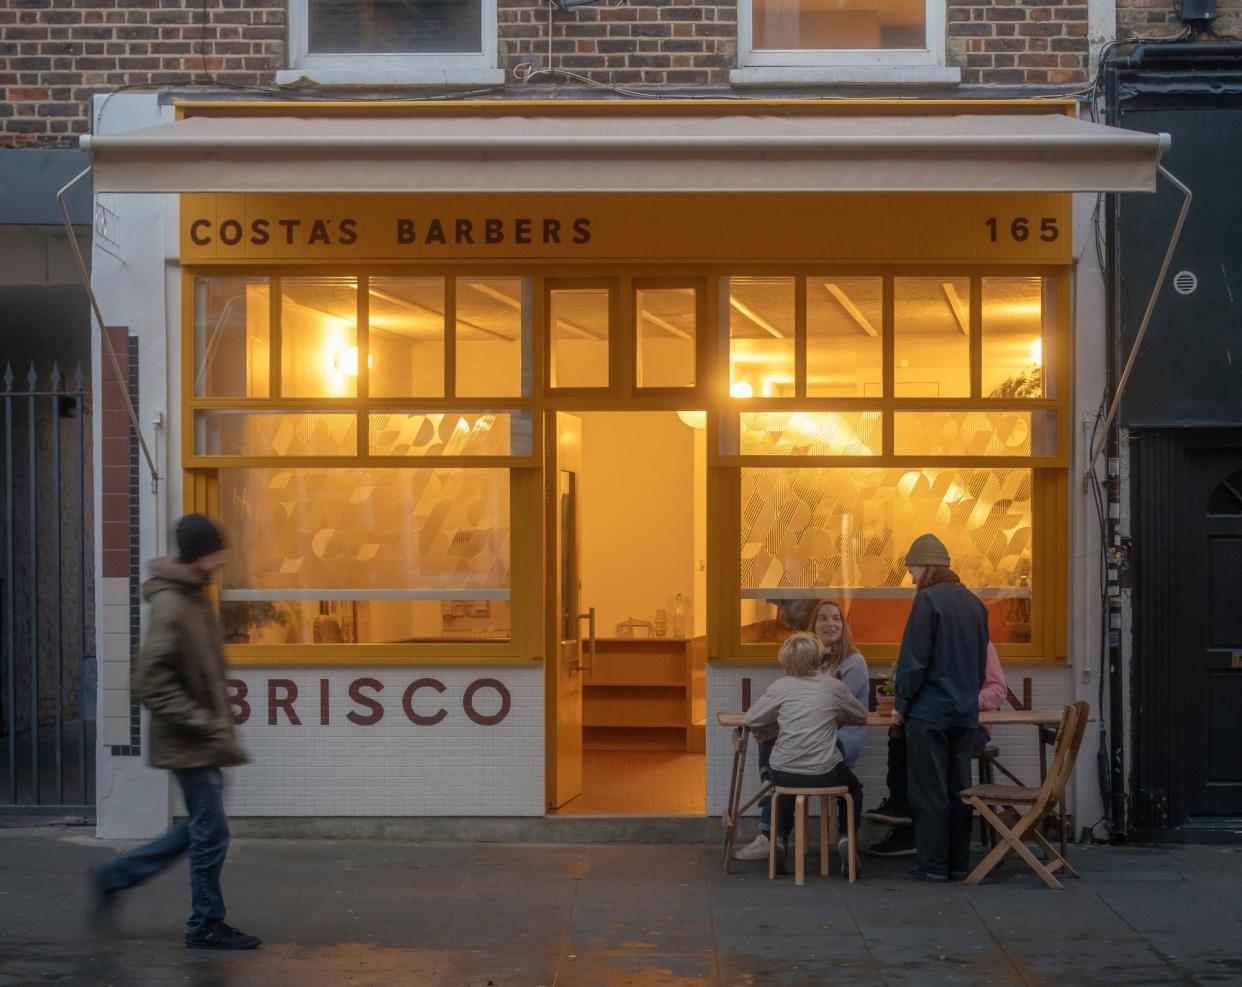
[{"x": 564, "y": 646}]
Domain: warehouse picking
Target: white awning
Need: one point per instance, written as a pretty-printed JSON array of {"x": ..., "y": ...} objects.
[{"x": 605, "y": 152}]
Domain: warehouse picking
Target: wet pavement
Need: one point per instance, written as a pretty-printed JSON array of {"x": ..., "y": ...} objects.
[{"x": 369, "y": 912}]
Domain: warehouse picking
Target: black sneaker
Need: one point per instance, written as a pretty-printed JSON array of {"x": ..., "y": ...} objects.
[
  {"x": 101, "y": 908},
  {"x": 898, "y": 843},
  {"x": 918, "y": 874},
  {"x": 221, "y": 936},
  {"x": 890, "y": 813}
]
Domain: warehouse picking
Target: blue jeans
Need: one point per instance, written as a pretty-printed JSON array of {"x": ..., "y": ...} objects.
[{"x": 204, "y": 834}]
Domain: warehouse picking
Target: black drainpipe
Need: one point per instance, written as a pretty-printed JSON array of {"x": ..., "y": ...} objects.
[{"x": 1114, "y": 752}]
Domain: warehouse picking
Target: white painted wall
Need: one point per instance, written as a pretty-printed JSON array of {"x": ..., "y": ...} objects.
[{"x": 128, "y": 256}]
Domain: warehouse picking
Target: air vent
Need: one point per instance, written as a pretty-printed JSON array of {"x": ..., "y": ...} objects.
[{"x": 1185, "y": 282}]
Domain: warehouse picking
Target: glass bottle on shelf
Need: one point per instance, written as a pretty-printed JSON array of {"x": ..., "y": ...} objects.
[
  {"x": 679, "y": 616},
  {"x": 661, "y": 623}
]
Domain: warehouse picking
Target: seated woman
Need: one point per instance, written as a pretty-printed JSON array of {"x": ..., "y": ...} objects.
[
  {"x": 827, "y": 622},
  {"x": 807, "y": 705},
  {"x": 894, "y": 811}
]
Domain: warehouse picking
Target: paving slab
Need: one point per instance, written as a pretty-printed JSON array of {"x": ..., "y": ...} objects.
[{"x": 368, "y": 912}]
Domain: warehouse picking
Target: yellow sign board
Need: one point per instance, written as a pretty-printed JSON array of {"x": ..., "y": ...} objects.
[{"x": 909, "y": 227}]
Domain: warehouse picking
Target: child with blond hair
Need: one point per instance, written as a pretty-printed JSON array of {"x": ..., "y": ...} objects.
[{"x": 808, "y": 706}]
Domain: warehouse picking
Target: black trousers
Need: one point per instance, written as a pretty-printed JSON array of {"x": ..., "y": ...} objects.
[
  {"x": 840, "y": 775},
  {"x": 897, "y": 770},
  {"x": 938, "y": 768}
]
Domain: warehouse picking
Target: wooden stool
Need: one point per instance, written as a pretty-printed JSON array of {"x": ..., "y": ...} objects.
[{"x": 827, "y": 829}]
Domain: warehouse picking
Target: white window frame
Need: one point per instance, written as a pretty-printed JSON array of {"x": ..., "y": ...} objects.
[
  {"x": 932, "y": 55},
  {"x": 413, "y": 68}
]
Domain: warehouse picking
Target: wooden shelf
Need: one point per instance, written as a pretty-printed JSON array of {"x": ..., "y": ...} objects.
[
  {"x": 645, "y": 693},
  {"x": 635, "y": 726}
]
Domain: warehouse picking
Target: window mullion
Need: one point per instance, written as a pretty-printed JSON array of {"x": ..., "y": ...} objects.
[
  {"x": 450, "y": 336},
  {"x": 888, "y": 374},
  {"x": 800, "y": 336},
  {"x": 976, "y": 337},
  {"x": 274, "y": 337}
]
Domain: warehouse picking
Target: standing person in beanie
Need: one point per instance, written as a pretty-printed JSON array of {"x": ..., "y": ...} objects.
[
  {"x": 941, "y": 668},
  {"x": 180, "y": 679}
]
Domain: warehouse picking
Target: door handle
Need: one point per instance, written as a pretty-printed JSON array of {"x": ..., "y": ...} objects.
[{"x": 589, "y": 617}]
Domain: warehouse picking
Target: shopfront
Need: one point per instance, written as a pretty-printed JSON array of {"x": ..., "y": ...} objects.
[{"x": 525, "y": 485}]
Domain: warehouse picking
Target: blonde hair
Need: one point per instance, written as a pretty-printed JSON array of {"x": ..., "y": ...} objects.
[
  {"x": 835, "y": 654},
  {"x": 800, "y": 655}
]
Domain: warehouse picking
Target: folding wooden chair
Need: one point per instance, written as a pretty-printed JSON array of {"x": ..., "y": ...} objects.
[{"x": 1014, "y": 826}]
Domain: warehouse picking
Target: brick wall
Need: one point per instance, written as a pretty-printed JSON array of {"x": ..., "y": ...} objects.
[
  {"x": 1158, "y": 18},
  {"x": 1019, "y": 42},
  {"x": 55, "y": 54},
  {"x": 657, "y": 42}
]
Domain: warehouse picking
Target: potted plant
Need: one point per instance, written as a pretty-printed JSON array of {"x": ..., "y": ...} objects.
[
  {"x": 239, "y": 618},
  {"x": 885, "y": 696}
]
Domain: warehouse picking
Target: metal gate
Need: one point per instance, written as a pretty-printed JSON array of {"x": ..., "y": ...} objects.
[{"x": 47, "y": 633}]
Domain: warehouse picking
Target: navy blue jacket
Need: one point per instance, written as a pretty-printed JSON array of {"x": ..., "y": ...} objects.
[{"x": 944, "y": 657}]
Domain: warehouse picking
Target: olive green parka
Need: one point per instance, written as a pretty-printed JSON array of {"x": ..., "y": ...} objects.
[{"x": 180, "y": 674}]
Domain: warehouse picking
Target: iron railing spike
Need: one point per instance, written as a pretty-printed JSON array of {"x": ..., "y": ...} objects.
[
  {"x": 8, "y": 376},
  {"x": 32, "y": 377},
  {"x": 55, "y": 378}
]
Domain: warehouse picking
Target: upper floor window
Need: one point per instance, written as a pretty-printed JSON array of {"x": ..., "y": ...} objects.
[
  {"x": 859, "y": 33},
  {"x": 397, "y": 41}
]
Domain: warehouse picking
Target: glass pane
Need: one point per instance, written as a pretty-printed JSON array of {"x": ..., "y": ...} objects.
[
  {"x": 482, "y": 433},
  {"x": 975, "y": 433},
  {"x": 761, "y": 337},
  {"x": 844, "y": 337},
  {"x": 579, "y": 319},
  {"x": 931, "y": 348},
  {"x": 803, "y": 433},
  {"x": 567, "y": 515},
  {"x": 274, "y": 433},
  {"x": 1013, "y": 338},
  {"x": 406, "y": 342},
  {"x": 319, "y": 337},
  {"x": 493, "y": 337},
  {"x": 842, "y": 534},
  {"x": 425, "y": 27},
  {"x": 232, "y": 337},
  {"x": 366, "y": 555},
  {"x": 666, "y": 320},
  {"x": 838, "y": 24}
]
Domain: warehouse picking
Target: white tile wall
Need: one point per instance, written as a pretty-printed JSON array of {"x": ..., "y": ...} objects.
[
  {"x": 393, "y": 768},
  {"x": 113, "y": 615},
  {"x": 1050, "y": 688}
]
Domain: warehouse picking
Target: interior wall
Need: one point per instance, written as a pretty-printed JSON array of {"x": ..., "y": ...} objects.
[{"x": 638, "y": 502}]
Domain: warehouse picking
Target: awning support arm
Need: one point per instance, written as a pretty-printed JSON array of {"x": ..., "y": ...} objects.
[
  {"x": 84, "y": 274},
  {"x": 1142, "y": 330}
]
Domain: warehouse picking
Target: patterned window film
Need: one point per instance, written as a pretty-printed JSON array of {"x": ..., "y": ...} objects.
[
  {"x": 367, "y": 556},
  {"x": 808, "y": 534}
]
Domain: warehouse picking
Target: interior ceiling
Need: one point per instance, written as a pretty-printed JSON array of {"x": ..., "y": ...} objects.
[{"x": 760, "y": 308}]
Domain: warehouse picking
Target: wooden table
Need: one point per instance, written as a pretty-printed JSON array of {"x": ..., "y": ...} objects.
[{"x": 741, "y": 742}]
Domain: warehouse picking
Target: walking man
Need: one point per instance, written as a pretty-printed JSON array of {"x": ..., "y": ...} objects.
[{"x": 180, "y": 679}]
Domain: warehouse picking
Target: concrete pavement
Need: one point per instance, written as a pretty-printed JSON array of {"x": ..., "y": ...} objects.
[{"x": 371, "y": 912}]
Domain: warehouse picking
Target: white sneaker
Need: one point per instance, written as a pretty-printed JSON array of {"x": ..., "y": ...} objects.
[
  {"x": 760, "y": 848},
  {"x": 843, "y": 852}
]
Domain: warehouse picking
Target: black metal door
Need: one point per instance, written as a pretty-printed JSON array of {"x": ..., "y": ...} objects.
[{"x": 1213, "y": 602}]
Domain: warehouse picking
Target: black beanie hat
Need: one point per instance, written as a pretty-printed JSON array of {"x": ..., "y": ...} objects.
[{"x": 197, "y": 536}]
